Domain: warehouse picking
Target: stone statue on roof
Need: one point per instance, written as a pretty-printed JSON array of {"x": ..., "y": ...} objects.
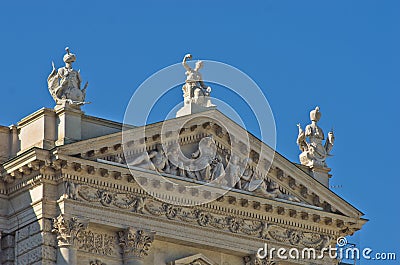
[
  {"x": 196, "y": 94},
  {"x": 194, "y": 89},
  {"x": 65, "y": 83},
  {"x": 314, "y": 152}
]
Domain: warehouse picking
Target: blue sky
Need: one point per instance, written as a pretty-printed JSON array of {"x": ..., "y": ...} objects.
[{"x": 340, "y": 55}]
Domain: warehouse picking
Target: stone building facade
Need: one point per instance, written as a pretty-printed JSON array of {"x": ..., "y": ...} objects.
[{"x": 77, "y": 189}]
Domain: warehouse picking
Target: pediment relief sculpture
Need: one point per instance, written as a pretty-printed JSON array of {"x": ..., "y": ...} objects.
[{"x": 210, "y": 164}]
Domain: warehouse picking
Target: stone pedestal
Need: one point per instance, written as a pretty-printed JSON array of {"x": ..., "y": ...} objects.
[
  {"x": 69, "y": 123},
  {"x": 321, "y": 174},
  {"x": 192, "y": 108}
]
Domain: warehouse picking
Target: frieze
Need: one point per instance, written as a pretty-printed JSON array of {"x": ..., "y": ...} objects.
[
  {"x": 107, "y": 198},
  {"x": 206, "y": 219},
  {"x": 203, "y": 218},
  {"x": 97, "y": 243},
  {"x": 295, "y": 237}
]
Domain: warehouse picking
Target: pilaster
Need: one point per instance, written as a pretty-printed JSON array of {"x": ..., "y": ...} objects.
[
  {"x": 135, "y": 244},
  {"x": 7, "y": 256},
  {"x": 67, "y": 230}
]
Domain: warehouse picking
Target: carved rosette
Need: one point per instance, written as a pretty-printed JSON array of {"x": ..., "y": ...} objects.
[
  {"x": 135, "y": 243},
  {"x": 68, "y": 229}
]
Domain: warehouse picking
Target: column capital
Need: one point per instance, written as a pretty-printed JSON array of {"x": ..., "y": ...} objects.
[
  {"x": 135, "y": 243},
  {"x": 68, "y": 229}
]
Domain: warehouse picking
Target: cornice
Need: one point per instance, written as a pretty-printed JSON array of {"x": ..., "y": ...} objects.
[
  {"x": 36, "y": 115},
  {"x": 291, "y": 178},
  {"x": 119, "y": 179}
]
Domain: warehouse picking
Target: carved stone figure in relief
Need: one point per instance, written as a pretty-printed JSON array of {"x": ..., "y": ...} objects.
[
  {"x": 239, "y": 173},
  {"x": 176, "y": 166},
  {"x": 65, "y": 83},
  {"x": 207, "y": 164},
  {"x": 314, "y": 152},
  {"x": 154, "y": 160},
  {"x": 271, "y": 190},
  {"x": 194, "y": 90},
  {"x": 190, "y": 171},
  {"x": 70, "y": 190},
  {"x": 217, "y": 169}
]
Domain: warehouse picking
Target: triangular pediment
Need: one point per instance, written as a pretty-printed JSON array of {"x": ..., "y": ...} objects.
[
  {"x": 282, "y": 180},
  {"x": 198, "y": 259}
]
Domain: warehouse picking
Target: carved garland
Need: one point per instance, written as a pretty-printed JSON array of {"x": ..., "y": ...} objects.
[{"x": 260, "y": 229}]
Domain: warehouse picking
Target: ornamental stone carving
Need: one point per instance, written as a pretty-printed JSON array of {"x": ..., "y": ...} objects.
[
  {"x": 65, "y": 83},
  {"x": 204, "y": 218},
  {"x": 297, "y": 237},
  {"x": 209, "y": 163},
  {"x": 154, "y": 160},
  {"x": 107, "y": 198},
  {"x": 68, "y": 229},
  {"x": 97, "y": 243},
  {"x": 70, "y": 190},
  {"x": 135, "y": 243},
  {"x": 314, "y": 152},
  {"x": 271, "y": 190}
]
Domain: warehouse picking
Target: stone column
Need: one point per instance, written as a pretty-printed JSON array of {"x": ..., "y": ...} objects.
[
  {"x": 67, "y": 230},
  {"x": 135, "y": 245}
]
